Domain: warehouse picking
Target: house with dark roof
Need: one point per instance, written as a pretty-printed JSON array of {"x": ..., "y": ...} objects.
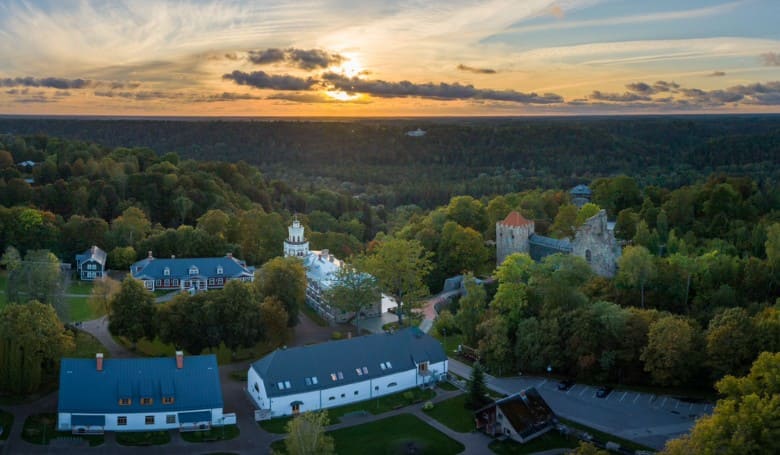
[
  {"x": 91, "y": 264},
  {"x": 199, "y": 274},
  {"x": 308, "y": 378},
  {"x": 522, "y": 416},
  {"x": 140, "y": 394}
]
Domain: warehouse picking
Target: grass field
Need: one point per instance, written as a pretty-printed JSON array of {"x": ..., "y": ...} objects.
[
  {"x": 87, "y": 346},
  {"x": 373, "y": 406},
  {"x": 399, "y": 434},
  {"x": 454, "y": 414},
  {"x": 548, "y": 441}
]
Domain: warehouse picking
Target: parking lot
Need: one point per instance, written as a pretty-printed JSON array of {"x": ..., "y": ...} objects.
[{"x": 641, "y": 417}]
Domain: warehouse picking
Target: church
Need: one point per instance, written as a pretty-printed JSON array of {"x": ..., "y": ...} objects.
[
  {"x": 594, "y": 241},
  {"x": 321, "y": 267}
]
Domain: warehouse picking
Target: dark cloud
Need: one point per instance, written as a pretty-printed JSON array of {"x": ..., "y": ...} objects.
[
  {"x": 472, "y": 69},
  {"x": 716, "y": 74},
  {"x": 770, "y": 59},
  {"x": 626, "y": 97},
  {"x": 261, "y": 79},
  {"x": 646, "y": 89},
  {"x": 440, "y": 91},
  {"x": 62, "y": 83},
  {"x": 179, "y": 96},
  {"x": 307, "y": 59}
]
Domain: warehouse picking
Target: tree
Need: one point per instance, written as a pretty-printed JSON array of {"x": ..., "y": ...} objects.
[
  {"x": 215, "y": 222},
  {"x": 306, "y": 435},
  {"x": 745, "y": 420},
  {"x": 460, "y": 250},
  {"x": 635, "y": 268},
  {"x": 237, "y": 312},
  {"x": 130, "y": 227},
  {"x": 400, "y": 266},
  {"x": 32, "y": 338},
  {"x": 731, "y": 342},
  {"x": 103, "y": 291},
  {"x": 274, "y": 319},
  {"x": 353, "y": 291},
  {"x": 586, "y": 212},
  {"x": 586, "y": 448},
  {"x": 672, "y": 354},
  {"x": 767, "y": 323},
  {"x": 471, "y": 310},
  {"x": 185, "y": 323},
  {"x": 689, "y": 267},
  {"x": 284, "y": 279},
  {"x": 477, "y": 390},
  {"x": 132, "y": 312},
  {"x": 121, "y": 258},
  {"x": 37, "y": 277},
  {"x": 467, "y": 212},
  {"x": 565, "y": 221},
  {"x": 495, "y": 344}
]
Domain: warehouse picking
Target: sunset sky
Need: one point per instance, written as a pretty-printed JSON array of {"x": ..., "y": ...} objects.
[{"x": 389, "y": 58}]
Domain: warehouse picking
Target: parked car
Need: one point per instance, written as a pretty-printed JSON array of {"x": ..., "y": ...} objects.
[
  {"x": 565, "y": 385},
  {"x": 603, "y": 392}
]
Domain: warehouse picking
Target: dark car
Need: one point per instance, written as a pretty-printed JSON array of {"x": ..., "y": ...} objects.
[
  {"x": 565, "y": 385},
  {"x": 603, "y": 392}
]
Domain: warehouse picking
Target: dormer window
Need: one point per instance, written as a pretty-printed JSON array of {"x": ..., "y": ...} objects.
[
  {"x": 167, "y": 400},
  {"x": 125, "y": 402},
  {"x": 219, "y": 270},
  {"x": 147, "y": 401},
  {"x": 193, "y": 270},
  {"x": 167, "y": 271}
]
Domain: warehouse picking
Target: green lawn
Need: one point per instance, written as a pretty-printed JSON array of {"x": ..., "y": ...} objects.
[
  {"x": 87, "y": 346},
  {"x": 6, "y": 421},
  {"x": 79, "y": 287},
  {"x": 548, "y": 441},
  {"x": 41, "y": 429},
  {"x": 444, "y": 385},
  {"x": 79, "y": 309},
  {"x": 454, "y": 414},
  {"x": 215, "y": 434},
  {"x": 399, "y": 434},
  {"x": 605, "y": 436},
  {"x": 143, "y": 438},
  {"x": 373, "y": 406},
  {"x": 450, "y": 342}
]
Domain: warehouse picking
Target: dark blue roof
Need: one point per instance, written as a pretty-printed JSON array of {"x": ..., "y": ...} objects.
[
  {"x": 88, "y": 420},
  {"x": 194, "y": 387},
  {"x": 153, "y": 268},
  {"x": 540, "y": 246},
  {"x": 402, "y": 349}
]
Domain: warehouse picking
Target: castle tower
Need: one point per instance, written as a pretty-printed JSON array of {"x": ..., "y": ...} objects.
[
  {"x": 512, "y": 236},
  {"x": 596, "y": 243},
  {"x": 296, "y": 244}
]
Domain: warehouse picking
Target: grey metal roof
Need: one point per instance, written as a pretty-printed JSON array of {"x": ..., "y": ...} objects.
[
  {"x": 541, "y": 246},
  {"x": 153, "y": 268},
  {"x": 581, "y": 190},
  {"x": 296, "y": 366},
  {"x": 94, "y": 253},
  {"x": 83, "y": 389}
]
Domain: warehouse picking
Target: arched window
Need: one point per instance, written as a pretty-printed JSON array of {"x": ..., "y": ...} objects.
[{"x": 587, "y": 255}]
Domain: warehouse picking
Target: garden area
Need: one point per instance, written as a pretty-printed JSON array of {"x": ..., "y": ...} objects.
[
  {"x": 373, "y": 406},
  {"x": 143, "y": 438},
  {"x": 399, "y": 434},
  {"x": 223, "y": 433},
  {"x": 41, "y": 429}
]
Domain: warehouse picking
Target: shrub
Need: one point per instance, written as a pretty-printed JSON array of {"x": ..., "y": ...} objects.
[
  {"x": 428, "y": 406},
  {"x": 337, "y": 335}
]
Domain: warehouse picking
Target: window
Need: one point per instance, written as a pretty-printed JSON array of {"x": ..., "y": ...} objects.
[
  {"x": 146, "y": 401},
  {"x": 167, "y": 271},
  {"x": 219, "y": 270},
  {"x": 389, "y": 365},
  {"x": 148, "y": 284},
  {"x": 157, "y": 283},
  {"x": 341, "y": 375},
  {"x": 220, "y": 281},
  {"x": 308, "y": 381},
  {"x": 121, "y": 420},
  {"x": 392, "y": 384},
  {"x": 167, "y": 283},
  {"x": 175, "y": 282},
  {"x": 331, "y": 398},
  {"x": 125, "y": 402},
  {"x": 422, "y": 368},
  {"x": 376, "y": 387},
  {"x": 280, "y": 385},
  {"x": 296, "y": 407},
  {"x": 383, "y": 366},
  {"x": 356, "y": 392},
  {"x": 167, "y": 400},
  {"x": 193, "y": 270},
  {"x": 359, "y": 371},
  {"x": 257, "y": 388},
  {"x": 170, "y": 419},
  {"x": 333, "y": 377},
  {"x": 365, "y": 370},
  {"x": 211, "y": 281},
  {"x": 587, "y": 255},
  {"x": 314, "y": 380},
  {"x": 149, "y": 420},
  {"x": 343, "y": 395},
  {"x": 287, "y": 384}
]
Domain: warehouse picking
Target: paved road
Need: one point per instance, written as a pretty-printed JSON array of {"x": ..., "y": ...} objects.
[{"x": 647, "y": 419}]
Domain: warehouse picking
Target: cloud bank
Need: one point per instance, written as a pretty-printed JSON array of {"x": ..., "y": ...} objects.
[
  {"x": 310, "y": 59},
  {"x": 472, "y": 69}
]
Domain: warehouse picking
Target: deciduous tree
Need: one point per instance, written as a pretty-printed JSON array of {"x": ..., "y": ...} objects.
[
  {"x": 353, "y": 291},
  {"x": 306, "y": 435},
  {"x": 284, "y": 279},
  {"x": 673, "y": 352},
  {"x": 132, "y": 311}
]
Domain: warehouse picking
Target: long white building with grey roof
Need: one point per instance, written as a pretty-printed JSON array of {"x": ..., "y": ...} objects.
[{"x": 336, "y": 373}]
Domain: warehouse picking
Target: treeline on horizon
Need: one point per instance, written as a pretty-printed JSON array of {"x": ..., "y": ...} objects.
[{"x": 377, "y": 161}]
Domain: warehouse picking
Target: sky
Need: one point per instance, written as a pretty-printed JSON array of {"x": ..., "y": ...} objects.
[{"x": 357, "y": 58}]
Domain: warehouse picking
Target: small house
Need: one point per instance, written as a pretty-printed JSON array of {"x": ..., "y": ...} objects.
[{"x": 91, "y": 264}]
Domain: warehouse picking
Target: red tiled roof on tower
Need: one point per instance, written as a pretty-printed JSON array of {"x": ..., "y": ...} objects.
[{"x": 515, "y": 219}]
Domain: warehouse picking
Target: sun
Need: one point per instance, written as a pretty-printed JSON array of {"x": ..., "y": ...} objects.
[
  {"x": 350, "y": 66},
  {"x": 341, "y": 95}
]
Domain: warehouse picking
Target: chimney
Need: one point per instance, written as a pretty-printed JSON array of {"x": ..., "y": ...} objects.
[
  {"x": 99, "y": 361},
  {"x": 229, "y": 255},
  {"x": 173, "y": 256},
  {"x": 179, "y": 360},
  {"x": 149, "y": 254},
  {"x": 349, "y": 335}
]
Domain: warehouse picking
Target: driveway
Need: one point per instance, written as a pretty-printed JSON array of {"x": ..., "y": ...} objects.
[{"x": 647, "y": 419}]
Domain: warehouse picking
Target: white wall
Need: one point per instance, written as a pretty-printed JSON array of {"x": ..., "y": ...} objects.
[
  {"x": 321, "y": 399},
  {"x": 137, "y": 421}
]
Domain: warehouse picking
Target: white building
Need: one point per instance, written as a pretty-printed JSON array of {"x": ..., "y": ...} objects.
[
  {"x": 321, "y": 268},
  {"x": 142, "y": 394},
  {"x": 308, "y": 378}
]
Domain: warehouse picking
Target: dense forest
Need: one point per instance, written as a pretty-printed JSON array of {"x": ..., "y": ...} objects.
[
  {"x": 696, "y": 202},
  {"x": 377, "y": 161}
]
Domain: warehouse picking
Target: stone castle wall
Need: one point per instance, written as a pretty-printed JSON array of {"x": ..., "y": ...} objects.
[
  {"x": 597, "y": 245},
  {"x": 512, "y": 239}
]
